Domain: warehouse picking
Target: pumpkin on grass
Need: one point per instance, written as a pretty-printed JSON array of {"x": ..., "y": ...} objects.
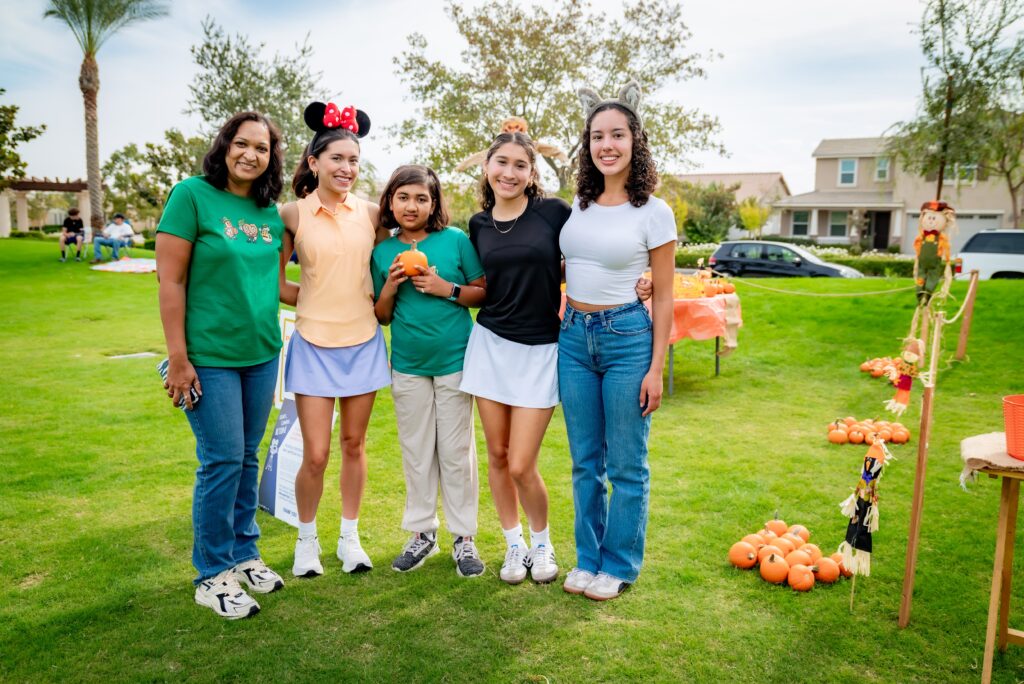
[
  {"x": 801, "y": 578},
  {"x": 798, "y": 557},
  {"x": 767, "y": 550},
  {"x": 826, "y": 570},
  {"x": 743, "y": 555},
  {"x": 755, "y": 540},
  {"x": 777, "y": 526},
  {"x": 838, "y": 558},
  {"x": 774, "y": 569},
  {"x": 786, "y": 545},
  {"x": 813, "y": 551},
  {"x": 800, "y": 531},
  {"x": 797, "y": 540}
]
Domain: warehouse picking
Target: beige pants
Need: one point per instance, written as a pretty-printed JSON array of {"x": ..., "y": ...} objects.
[{"x": 435, "y": 430}]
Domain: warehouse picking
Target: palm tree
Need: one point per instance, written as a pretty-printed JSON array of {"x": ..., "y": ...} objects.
[{"x": 93, "y": 22}]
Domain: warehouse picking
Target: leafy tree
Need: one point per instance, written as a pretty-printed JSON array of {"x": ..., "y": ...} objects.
[
  {"x": 674, "y": 192},
  {"x": 1004, "y": 151},
  {"x": 92, "y": 22},
  {"x": 12, "y": 167},
  {"x": 752, "y": 216},
  {"x": 528, "y": 61},
  {"x": 712, "y": 209},
  {"x": 969, "y": 51},
  {"x": 234, "y": 76},
  {"x": 140, "y": 179}
]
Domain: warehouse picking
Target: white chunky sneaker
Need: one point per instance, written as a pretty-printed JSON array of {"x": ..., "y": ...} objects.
[
  {"x": 577, "y": 581},
  {"x": 605, "y": 587},
  {"x": 351, "y": 554},
  {"x": 307, "y": 557},
  {"x": 225, "y": 597},
  {"x": 513, "y": 570},
  {"x": 258, "y": 576},
  {"x": 541, "y": 561}
]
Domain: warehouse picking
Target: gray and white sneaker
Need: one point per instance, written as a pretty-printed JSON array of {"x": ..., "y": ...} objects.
[
  {"x": 541, "y": 561},
  {"x": 420, "y": 547},
  {"x": 513, "y": 570},
  {"x": 258, "y": 576},
  {"x": 605, "y": 587},
  {"x": 307, "y": 557},
  {"x": 225, "y": 597},
  {"x": 351, "y": 554},
  {"x": 467, "y": 558},
  {"x": 577, "y": 581}
]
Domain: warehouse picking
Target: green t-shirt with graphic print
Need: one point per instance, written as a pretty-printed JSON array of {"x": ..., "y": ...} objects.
[
  {"x": 429, "y": 334},
  {"x": 232, "y": 292}
]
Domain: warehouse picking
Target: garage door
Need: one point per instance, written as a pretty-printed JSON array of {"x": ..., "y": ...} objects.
[{"x": 967, "y": 225}]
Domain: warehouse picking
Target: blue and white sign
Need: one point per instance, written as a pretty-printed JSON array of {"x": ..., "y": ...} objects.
[{"x": 284, "y": 456}]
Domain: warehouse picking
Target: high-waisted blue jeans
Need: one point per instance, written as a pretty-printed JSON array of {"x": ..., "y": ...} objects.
[
  {"x": 228, "y": 424},
  {"x": 603, "y": 357}
]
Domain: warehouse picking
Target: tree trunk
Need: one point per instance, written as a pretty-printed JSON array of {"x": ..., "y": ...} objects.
[{"x": 89, "y": 83}]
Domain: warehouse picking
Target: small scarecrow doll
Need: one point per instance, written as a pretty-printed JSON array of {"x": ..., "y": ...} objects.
[
  {"x": 862, "y": 509},
  {"x": 937, "y": 222},
  {"x": 903, "y": 373},
  {"x": 514, "y": 124}
]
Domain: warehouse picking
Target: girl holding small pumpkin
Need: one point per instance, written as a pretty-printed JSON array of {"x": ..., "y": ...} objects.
[
  {"x": 337, "y": 353},
  {"x": 611, "y": 351},
  {"x": 426, "y": 307}
]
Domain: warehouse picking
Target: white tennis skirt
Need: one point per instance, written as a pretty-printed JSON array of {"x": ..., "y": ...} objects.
[{"x": 508, "y": 372}]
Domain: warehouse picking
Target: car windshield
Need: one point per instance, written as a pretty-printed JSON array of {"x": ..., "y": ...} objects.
[
  {"x": 996, "y": 243},
  {"x": 805, "y": 255}
]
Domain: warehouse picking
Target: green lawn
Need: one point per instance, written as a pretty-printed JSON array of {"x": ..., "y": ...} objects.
[{"x": 95, "y": 488}]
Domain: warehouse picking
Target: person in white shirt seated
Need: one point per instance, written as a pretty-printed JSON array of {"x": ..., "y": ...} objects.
[{"x": 117, "y": 234}]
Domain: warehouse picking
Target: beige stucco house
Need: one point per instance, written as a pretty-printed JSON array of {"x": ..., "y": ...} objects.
[
  {"x": 766, "y": 187},
  {"x": 856, "y": 174}
]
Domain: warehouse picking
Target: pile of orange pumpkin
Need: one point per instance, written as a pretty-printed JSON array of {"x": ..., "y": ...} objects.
[
  {"x": 879, "y": 366},
  {"x": 849, "y": 430},
  {"x": 785, "y": 555}
]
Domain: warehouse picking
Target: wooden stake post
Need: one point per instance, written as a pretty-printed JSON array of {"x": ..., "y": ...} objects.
[
  {"x": 919, "y": 473},
  {"x": 965, "y": 326}
]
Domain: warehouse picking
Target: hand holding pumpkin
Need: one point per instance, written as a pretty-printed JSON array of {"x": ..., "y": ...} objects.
[
  {"x": 396, "y": 276},
  {"x": 428, "y": 282}
]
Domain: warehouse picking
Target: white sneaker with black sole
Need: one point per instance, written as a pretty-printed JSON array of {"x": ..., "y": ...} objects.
[
  {"x": 258, "y": 576},
  {"x": 513, "y": 570},
  {"x": 307, "y": 557},
  {"x": 225, "y": 597},
  {"x": 351, "y": 554}
]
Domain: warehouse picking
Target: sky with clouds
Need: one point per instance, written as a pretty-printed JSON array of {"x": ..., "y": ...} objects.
[{"x": 791, "y": 72}]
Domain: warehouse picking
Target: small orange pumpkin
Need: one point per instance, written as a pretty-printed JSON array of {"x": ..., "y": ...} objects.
[
  {"x": 800, "y": 577},
  {"x": 777, "y": 526},
  {"x": 767, "y": 550},
  {"x": 813, "y": 551},
  {"x": 797, "y": 540},
  {"x": 826, "y": 570},
  {"x": 855, "y": 436},
  {"x": 774, "y": 569},
  {"x": 838, "y": 436},
  {"x": 798, "y": 557},
  {"x": 755, "y": 540},
  {"x": 800, "y": 531},
  {"x": 728, "y": 287},
  {"x": 900, "y": 436},
  {"x": 786, "y": 545},
  {"x": 743, "y": 555},
  {"x": 838, "y": 558},
  {"x": 411, "y": 258}
]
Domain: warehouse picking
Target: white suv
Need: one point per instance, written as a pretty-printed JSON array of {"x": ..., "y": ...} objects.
[{"x": 995, "y": 253}]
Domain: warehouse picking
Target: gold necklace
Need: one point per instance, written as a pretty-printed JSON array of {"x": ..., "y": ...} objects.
[{"x": 514, "y": 221}]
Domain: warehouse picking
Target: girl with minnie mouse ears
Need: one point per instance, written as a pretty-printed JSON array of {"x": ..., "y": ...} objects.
[{"x": 337, "y": 351}]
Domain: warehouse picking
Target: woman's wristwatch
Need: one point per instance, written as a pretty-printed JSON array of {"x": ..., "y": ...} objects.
[{"x": 456, "y": 291}]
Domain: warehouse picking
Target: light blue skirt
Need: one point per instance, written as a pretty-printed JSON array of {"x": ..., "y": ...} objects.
[{"x": 336, "y": 371}]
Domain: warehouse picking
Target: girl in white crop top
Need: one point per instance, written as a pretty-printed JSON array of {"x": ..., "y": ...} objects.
[{"x": 611, "y": 351}]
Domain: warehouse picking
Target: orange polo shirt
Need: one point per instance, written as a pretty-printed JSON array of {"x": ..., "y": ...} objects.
[{"x": 335, "y": 305}]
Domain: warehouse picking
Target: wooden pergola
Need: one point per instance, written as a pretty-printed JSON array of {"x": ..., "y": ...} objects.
[{"x": 20, "y": 189}]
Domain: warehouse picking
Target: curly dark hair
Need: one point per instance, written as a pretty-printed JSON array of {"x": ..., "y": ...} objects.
[
  {"x": 414, "y": 174},
  {"x": 304, "y": 182},
  {"x": 526, "y": 142},
  {"x": 643, "y": 173},
  {"x": 267, "y": 188}
]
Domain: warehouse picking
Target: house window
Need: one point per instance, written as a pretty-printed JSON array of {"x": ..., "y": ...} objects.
[
  {"x": 847, "y": 172},
  {"x": 882, "y": 169},
  {"x": 837, "y": 223},
  {"x": 961, "y": 174},
  {"x": 801, "y": 222}
]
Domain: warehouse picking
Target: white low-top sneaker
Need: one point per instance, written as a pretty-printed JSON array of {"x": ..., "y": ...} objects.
[
  {"x": 577, "y": 581},
  {"x": 225, "y": 597},
  {"x": 351, "y": 554},
  {"x": 605, "y": 587},
  {"x": 541, "y": 561},
  {"x": 307, "y": 557},
  {"x": 258, "y": 576},
  {"x": 513, "y": 570}
]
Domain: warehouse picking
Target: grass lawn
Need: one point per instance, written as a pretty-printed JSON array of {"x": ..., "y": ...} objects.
[{"x": 96, "y": 472}]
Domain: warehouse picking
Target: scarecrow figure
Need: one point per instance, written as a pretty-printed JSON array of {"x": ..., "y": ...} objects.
[
  {"x": 514, "y": 124},
  {"x": 903, "y": 373},
  {"x": 937, "y": 222},
  {"x": 862, "y": 509}
]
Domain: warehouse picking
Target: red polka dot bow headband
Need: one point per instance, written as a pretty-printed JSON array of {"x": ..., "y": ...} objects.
[{"x": 322, "y": 117}]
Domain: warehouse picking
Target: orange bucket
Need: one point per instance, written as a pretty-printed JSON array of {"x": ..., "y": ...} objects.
[{"x": 1013, "y": 414}]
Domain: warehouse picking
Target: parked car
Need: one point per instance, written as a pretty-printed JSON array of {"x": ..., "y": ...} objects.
[
  {"x": 994, "y": 253},
  {"x": 774, "y": 259}
]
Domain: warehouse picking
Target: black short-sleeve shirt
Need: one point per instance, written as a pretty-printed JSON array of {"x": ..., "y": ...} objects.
[
  {"x": 523, "y": 269},
  {"x": 74, "y": 225}
]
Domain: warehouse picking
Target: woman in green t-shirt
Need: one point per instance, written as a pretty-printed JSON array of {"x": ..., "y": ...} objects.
[
  {"x": 217, "y": 253},
  {"x": 430, "y": 327}
]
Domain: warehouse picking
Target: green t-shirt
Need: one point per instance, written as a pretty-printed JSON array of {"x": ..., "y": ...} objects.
[
  {"x": 428, "y": 333},
  {"x": 232, "y": 291}
]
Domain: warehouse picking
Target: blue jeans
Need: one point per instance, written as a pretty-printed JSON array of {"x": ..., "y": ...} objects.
[
  {"x": 603, "y": 357},
  {"x": 228, "y": 424},
  {"x": 113, "y": 243}
]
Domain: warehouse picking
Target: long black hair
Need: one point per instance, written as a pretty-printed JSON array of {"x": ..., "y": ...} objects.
[
  {"x": 304, "y": 182},
  {"x": 267, "y": 188},
  {"x": 643, "y": 173}
]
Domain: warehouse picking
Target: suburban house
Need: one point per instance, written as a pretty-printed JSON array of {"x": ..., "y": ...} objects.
[
  {"x": 767, "y": 188},
  {"x": 856, "y": 175}
]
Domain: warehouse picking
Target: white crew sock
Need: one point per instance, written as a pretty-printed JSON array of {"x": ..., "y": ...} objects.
[
  {"x": 349, "y": 526},
  {"x": 307, "y": 529},
  {"x": 515, "y": 536},
  {"x": 540, "y": 538}
]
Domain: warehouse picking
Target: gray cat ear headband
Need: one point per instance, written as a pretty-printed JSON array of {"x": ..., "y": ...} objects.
[{"x": 629, "y": 99}]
